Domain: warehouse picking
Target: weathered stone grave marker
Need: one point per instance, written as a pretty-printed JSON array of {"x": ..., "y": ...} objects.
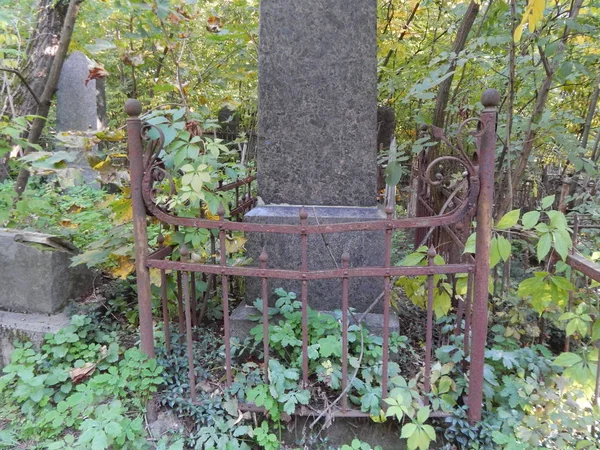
[
  {"x": 76, "y": 106},
  {"x": 317, "y": 121},
  {"x": 35, "y": 272}
]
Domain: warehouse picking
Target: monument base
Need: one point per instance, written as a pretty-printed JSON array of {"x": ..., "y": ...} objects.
[
  {"x": 366, "y": 248},
  {"x": 26, "y": 328}
]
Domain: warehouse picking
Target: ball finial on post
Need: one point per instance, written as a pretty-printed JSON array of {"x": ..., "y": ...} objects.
[
  {"x": 490, "y": 98},
  {"x": 133, "y": 107}
]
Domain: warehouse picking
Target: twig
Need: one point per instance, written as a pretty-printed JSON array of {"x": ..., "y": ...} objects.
[
  {"x": 369, "y": 309},
  {"x": 17, "y": 73},
  {"x": 325, "y": 241},
  {"x": 348, "y": 386}
]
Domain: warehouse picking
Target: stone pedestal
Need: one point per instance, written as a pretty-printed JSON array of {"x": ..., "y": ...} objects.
[
  {"x": 324, "y": 252},
  {"x": 35, "y": 273}
]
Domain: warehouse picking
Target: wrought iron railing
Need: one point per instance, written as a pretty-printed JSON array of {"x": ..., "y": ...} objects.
[{"x": 146, "y": 170}]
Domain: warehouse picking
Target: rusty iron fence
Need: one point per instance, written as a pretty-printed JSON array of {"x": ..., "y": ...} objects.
[
  {"x": 472, "y": 309},
  {"x": 584, "y": 269}
]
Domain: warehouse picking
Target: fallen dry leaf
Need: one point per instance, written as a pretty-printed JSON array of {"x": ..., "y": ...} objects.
[
  {"x": 125, "y": 265},
  {"x": 96, "y": 72},
  {"x": 79, "y": 374},
  {"x": 214, "y": 24}
]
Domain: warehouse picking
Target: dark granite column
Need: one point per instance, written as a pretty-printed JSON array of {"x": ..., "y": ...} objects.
[
  {"x": 317, "y": 130},
  {"x": 317, "y": 102}
]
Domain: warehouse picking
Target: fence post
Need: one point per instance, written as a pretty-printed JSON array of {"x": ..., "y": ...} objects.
[
  {"x": 486, "y": 153},
  {"x": 133, "y": 108}
]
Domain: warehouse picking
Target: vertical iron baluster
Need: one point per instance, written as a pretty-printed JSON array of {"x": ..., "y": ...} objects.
[
  {"x": 485, "y": 153},
  {"x": 467, "y": 338},
  {"x": 225, "y": 292},
  {"x": 180, "y": 303},
  {"x": 386, "y": 303},
  {"x": 184, "y": 252},
  {"x": 304, "y": 257},
  {"x": 164, "y": 300},
  {"x": 572, "y": 277},
  {"x": 460, "y": 311},
  {"x": 237, "y": 198},
  {"x": 345, "y": 264},
  {"x": 429, "y": 336},
  {"x": 212, "y": 280},
  {"x": 194, "y": 304},
  {"x": 135, "y": 150},
  {"x": 265, "y": 312}
]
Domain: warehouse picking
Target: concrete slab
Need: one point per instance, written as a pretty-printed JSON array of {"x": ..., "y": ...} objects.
[{"x": 26, "y": 328}]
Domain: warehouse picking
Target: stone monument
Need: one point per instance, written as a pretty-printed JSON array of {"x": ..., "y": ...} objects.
[
  {"x": 317, "y": 131},
  {"x": 35, "y": 272},
  {"x": 76, "y": 106}
]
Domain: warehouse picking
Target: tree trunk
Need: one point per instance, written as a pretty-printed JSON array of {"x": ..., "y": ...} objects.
[
  {"x": 441, "y": 102},
  {"x": 50, "y": 75},
  {"x": 41, "y": 50},
  {"x": 590, "y": 113}
]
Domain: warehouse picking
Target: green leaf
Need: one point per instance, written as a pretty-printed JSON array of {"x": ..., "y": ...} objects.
[
  {"x": 572, "y": 326},
  {"x": 470, "y": 244},
  {"x": 509, "y": 220},
  {"x": 430, "y": 431},
  {"x": 444, "y": 384},
  {"x": 100, "y": 441},
  {"x": 393, "y": 173},
  {"x": 413, "y": 259},
  {"x": 113, "y": 429},
  {"x": 504, "y": 248},
  {"x": 562, "y": 283},
  {"x": 567, "y": 359},
  {"x": 408, "y": 430},
  {"x": 423, "y": 414},
  {"x": 442, "y": 303},
  {"x": 548, "y": 201},
  {"x": 530, "y": 219},
  {"x": 543, "y": 246},
  {"x": 596, "y": 330},
  {"x": 494, "y": 252},
  {"x": 557, "y": 219},
  {"x": 562, "y": 243}
]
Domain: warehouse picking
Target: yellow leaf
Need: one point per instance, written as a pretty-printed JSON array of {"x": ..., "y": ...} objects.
[
  {"x": 105, "y": 203},
  {"x": 101, "y": 164},
  {"x": 125, "y": 266},
  {"x": 155, "y": 277},
  {"x": 518, "y": 33},
  {"x": 534, "y": 13},
  {"x": 234, "y": 245},
  {"x": 208, "y": 215},
  {"x": 122, "y": 210},
  {"x": 74, "y": 209},
  {"x": 66, "y": 223},
  {"x": 379, "y": 418}
]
